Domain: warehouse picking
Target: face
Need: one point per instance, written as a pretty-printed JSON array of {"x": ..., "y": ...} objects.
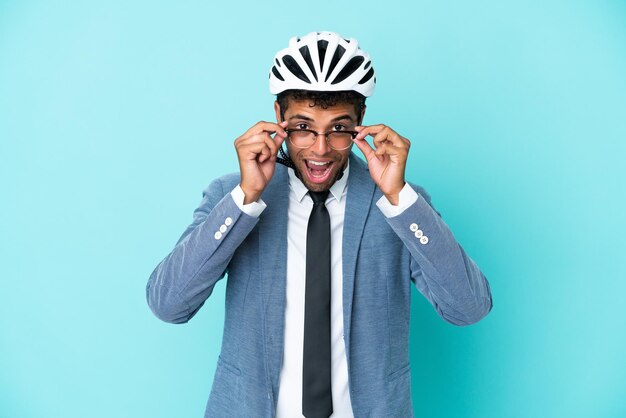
[{"x": 318, "y": 166}]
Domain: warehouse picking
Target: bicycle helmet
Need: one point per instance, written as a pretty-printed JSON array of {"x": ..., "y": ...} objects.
[{"x": 322, "y": 61}]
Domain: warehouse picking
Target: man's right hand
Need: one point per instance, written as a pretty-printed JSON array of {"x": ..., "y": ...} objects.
[{"x": 256, "y": 150}]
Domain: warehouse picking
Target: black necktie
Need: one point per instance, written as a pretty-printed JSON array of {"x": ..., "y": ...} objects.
[{"x": 316, "y": 393}]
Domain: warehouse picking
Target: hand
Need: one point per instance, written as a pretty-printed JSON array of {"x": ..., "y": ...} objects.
[
  {"x": 256, "y": 150},
  {"x": 387, "y": 162}
]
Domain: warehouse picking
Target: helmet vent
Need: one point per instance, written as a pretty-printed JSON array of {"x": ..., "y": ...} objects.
[
  {"x": 295, "y": 69},
  {"x": 304, "y": 51},
  {"x": 367, "y": 76},
  {"x": 367, "y": 65},
  {"x": 278, "y": 62},
  {"x": 349, "y": 69},
  {"x": 277, "y": 74},
  {"x": 321, "y": 50},
  {"x": 336, "y": 57}
]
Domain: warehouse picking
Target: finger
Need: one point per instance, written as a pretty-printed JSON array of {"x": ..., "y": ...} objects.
[
  {"x": 365, "y": 148},
  {"x": 265, "y": 155},
  {"x": 262, "y": 137},
  {"x": 279, "y": 139},
  {"x": 382, "y": 137},
  {"x": 391, "y": 150},
  {"x": 273, "y": 143},
  {"x": 282, "y": 132},
  {"x": 382, "y": 133},
  {"x": 388, "y": 135},
  {"x": 256, "y": 150},
  {"x": 368, "y": 130},
  {"x": 263, "y": 126}
]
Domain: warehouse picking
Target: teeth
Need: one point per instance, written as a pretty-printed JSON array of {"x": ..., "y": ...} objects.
[{"x": 319, "y": 163}]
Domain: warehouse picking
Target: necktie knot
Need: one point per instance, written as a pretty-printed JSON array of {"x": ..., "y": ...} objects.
[{"x": 318, "y": 197}]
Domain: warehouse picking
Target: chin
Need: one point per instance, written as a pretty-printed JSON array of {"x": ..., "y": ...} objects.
[{"x": 314, "y": 187}]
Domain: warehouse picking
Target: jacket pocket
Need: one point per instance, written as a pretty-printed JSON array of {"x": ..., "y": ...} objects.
[
  {"x": 228, "y": 366},
  {"x": 225, "y": 400},
  {"x": 398, "y": 373}
]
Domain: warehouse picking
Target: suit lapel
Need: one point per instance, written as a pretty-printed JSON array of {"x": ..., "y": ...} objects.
[
  {"x": 273, "y": 269},
  {"x": 359, "y": 199}
]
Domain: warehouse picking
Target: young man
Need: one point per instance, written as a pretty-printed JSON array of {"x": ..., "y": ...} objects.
[{"x": 320, "y": 252}]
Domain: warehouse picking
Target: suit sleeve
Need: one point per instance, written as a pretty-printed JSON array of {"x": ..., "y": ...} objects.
[
  {"x": 440, "y": 268},
  {"x": 184, "y": 279}
]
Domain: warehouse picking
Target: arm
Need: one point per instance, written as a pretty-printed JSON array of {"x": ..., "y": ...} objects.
[
  {"x": 180, "y": 284},
  {"x": 440, "y": 268}
]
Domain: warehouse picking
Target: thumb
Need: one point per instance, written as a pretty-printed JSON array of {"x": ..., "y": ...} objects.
[{"x": 365, "y": 148}]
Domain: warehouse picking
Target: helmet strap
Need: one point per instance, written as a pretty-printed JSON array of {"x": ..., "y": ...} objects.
[{"x": 284, "y": 159}]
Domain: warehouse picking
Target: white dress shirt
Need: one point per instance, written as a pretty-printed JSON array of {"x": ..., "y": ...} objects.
[{"x": 300, "y": 206}]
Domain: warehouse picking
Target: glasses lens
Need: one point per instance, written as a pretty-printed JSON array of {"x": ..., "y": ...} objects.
[
  {"x": 339, "y": 140},
  {"x": 302, "y": 138}
]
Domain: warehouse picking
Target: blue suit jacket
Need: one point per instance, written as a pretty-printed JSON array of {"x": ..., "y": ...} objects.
[{"x": 381, "y": 256}]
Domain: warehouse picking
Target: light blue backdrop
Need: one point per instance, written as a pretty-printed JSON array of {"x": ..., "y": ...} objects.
[{"x": 114, "y": 115}]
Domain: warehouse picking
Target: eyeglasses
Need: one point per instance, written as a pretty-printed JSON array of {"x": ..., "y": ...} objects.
[{"x": 337, "y": 140}]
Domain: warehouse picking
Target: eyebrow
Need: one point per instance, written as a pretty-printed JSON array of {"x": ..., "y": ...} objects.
[{"x": 337, "y": 119}]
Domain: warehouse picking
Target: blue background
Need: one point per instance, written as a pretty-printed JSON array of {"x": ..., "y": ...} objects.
[{"x": 115, "y": 115}]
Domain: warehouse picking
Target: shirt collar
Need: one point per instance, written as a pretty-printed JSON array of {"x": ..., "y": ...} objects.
[{"x": 336, "y": 190}]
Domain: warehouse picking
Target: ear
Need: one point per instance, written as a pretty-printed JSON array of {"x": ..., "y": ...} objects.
[
  {"x": 277, "y": 110},
  {"x": 362, "y": 115}
]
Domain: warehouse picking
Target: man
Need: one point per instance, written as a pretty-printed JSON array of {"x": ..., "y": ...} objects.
[{"x": 320, "y": 252}]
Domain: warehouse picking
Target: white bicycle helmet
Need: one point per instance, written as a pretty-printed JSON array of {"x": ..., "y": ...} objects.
[{"x": 322, "y": 61}]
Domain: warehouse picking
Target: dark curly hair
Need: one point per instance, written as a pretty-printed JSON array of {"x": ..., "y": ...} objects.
[{"x": 323, "y": 99}]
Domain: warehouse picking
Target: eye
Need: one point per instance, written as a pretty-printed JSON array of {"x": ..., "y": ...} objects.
[
  {"x": 302, "y": 126},
  {"x": 339, "y": 128}
]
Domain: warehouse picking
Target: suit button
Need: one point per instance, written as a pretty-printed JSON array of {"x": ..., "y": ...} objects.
[
  {"x": 414, "y": 227},
  {"x": 419, "y": 233},
  {"x": 223, "y": 229},
  {"x": 218, "y": 235},
  {"x": 424, "y": 240},
  {"x": 228, "y": 221}
]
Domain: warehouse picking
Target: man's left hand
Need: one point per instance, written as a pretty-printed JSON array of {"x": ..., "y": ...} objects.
[{"x": 387, "y": 161}]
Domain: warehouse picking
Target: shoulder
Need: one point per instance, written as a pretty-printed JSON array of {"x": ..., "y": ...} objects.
[{"x": 222, "y": 185}]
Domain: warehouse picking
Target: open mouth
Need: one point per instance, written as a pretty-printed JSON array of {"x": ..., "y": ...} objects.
[{"x": 318, "y": 171}]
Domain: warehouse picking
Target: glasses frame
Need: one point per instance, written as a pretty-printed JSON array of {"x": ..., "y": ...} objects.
[{"x": 317, "y": 134}]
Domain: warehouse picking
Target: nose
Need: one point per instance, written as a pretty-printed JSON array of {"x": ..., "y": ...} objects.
[{"x": 321, "y": 147}]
